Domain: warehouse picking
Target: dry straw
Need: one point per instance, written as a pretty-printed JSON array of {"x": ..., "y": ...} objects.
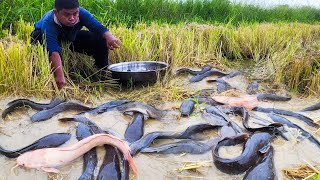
[
  {"x": 277, "y": 53},
  {"x": 306, "y": 171}
]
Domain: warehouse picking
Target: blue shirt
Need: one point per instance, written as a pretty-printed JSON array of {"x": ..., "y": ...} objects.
[{"x": 54, "y": 32}]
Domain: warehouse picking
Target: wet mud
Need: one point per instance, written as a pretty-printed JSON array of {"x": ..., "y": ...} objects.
[{"x": 17, "y": 131}]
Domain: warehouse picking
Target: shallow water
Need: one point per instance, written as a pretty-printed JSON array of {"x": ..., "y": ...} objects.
[{"x": 17, "y": 131}]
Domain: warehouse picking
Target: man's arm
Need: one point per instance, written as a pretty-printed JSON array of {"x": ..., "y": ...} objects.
[
  {"x": 57, "y": 69},
  {"x": 95, "y": 26},
  {"x": 112, "y": 41}
]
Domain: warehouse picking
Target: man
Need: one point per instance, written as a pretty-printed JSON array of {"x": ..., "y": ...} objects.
[{"x": 64, "y": 23}]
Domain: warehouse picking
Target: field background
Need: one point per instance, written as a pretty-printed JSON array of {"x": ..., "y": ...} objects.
[{"x": 278, "y": 44}]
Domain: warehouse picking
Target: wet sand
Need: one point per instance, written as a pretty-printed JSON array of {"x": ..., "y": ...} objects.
[{"x": 17, "y": 131}]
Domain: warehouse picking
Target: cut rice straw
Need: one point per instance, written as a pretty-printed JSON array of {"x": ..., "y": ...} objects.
[
  {"x": 302, "y": 172},
  {"x": 193, "y": 177},
  {"x": 59, "y": 176},
  {"x": 312, "y": 167},
  {"x": 194, "y": 165}
]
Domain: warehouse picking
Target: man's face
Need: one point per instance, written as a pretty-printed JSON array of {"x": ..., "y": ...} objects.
[{"x": 68, "y": 17}]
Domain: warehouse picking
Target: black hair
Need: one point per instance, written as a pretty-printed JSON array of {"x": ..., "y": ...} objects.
[{"x": 65, "y": 4}]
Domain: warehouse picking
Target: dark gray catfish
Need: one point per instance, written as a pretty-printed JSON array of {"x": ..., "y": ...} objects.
[
  {"x": 232, "y": 74},
  {"x": 272, "y": 97},
  {"x": 218, "y": 112},
  {"x": 49, "y": 141},
  {"x": 264, "y": 170},
  {"x": 282, "y": 120},
  {"x": 214, "y": 119},
  {"x": 227, "y": 131},
  {"x": 93, "y": 126},
  {"x": 184, "y": 146},
  {"x": 253, "y": 87},
  {"x": 253, "y": 151},
  {"x": 191, "y": 131},
  {"x": 65, "y": 106},
  {"x": 28, "y": 103},
  {"x": 110, "y": 168},
  {"x": 107, "y": 106},
  {"x": 206, "y": 100},
  {"x": 212, "y": 72},
  {"x": 222, "y": 85},
  {"x": 135, "y": 129},
  {"x": 228, "y": 109},
  {"x": 147, "y": 110},
  {"x": 187, "y": 107},
  {"x": 312, "y": 108},
  {"x": 90, "y": 158},
  {"x": 147, "y": 139},
  {"x": 270, "y": 128},
  {"x": 301, "y": 117},
  {"x": 35, "y": 105},
  {"x": 193, "y": 72}
]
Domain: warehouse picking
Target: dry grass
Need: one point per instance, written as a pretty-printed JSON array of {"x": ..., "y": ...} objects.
[
  {"x": 164, "y": 91},
  {"x": 194, "y": 166},
  {"x": 303, "y": 73},
  {"x": 231, "y": 93},
  {"x": 303, "y": 172},
  {"x": 23, "y": 68},
  {"x": 59, "y": 176},
  {"x": 278, "y": 53}
]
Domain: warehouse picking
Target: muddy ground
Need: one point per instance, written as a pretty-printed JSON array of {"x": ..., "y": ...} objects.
[{"x": 17, "y": 131}]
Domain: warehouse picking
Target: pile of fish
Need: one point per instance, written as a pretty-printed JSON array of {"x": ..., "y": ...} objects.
[
  {"x": 256, "y": 157},
  {"x": 45, "y": 154}
]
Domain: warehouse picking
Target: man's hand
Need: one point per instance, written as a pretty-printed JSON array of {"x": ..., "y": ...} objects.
[
  {"x": 60, "y": 80},
  {"x": 56, "y": 67},
  {"x": 112, "y": 41}
]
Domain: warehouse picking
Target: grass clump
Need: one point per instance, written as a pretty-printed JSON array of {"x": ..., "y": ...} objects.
[
  {"x": 302, "y": 74},
  {"x": 24, "y": 68},
  {"x": 132, "y": 12}
]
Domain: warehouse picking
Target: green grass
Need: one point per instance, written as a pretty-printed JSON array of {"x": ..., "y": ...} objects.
[{"x": 131, "y": 12}]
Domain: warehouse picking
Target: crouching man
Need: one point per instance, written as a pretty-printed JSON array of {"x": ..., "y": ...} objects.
[{"x": 64, "y": 24}]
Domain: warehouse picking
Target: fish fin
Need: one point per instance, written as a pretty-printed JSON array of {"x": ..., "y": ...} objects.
[
  {"x": 146, "y": 116},
  {"x": 284, "y": 136},
  {"x": 50, "y": 169},
  {"x": 131, "y": 112},
  {"x": 264, "y": 149},
  {"x": 301, "y": 138}
]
